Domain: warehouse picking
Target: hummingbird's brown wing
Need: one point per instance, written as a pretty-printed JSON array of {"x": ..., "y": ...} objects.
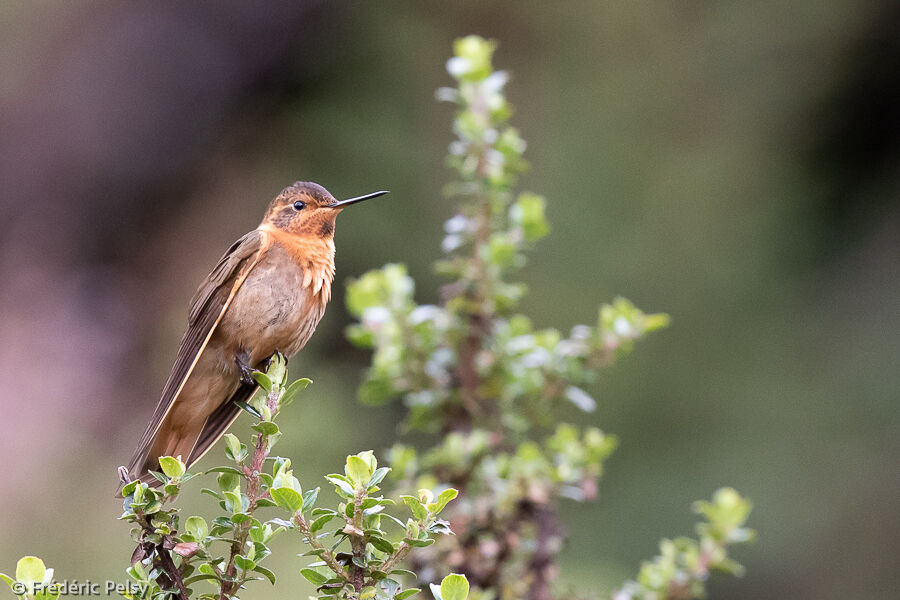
[{"x": 207, "y": 307}]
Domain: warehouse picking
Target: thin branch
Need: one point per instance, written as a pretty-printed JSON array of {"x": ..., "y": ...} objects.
[
  {"x": 542, "y": 560},
  {"x": 172, "y": 572},
  {"x": 398, "y": 555},
  {"x": 357, "y": 540},
  {"x": 325, "y": 554},
  {"x": 478, "y": 320}
]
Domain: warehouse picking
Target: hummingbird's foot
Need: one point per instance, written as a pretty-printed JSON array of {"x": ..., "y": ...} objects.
[
  {"x": 246, "y": 371},
  {"x": 265, "y": 364}
]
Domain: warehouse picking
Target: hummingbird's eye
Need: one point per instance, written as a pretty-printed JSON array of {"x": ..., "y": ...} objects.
[{"x": 299, "y": 205}]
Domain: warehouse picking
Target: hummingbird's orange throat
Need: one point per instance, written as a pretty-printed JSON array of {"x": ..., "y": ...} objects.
[{"x": 314, "y": 254}]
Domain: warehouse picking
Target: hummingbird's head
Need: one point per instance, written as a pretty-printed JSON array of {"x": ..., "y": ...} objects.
[{"x": 306, "y": 208}]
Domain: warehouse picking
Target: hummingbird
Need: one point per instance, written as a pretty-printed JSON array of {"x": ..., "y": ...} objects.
[{"x": 265, "y": 295}]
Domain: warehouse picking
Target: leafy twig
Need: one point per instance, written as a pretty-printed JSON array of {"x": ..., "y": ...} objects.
[{"x": 252, "y": 473}]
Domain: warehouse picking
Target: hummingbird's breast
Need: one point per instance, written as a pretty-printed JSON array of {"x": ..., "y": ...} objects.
[{"x": 282, "y": 300}]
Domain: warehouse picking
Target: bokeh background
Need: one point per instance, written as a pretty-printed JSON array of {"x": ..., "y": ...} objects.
[{"x": 732, "y": 164}]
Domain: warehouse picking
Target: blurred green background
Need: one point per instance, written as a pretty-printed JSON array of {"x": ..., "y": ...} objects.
[{"x": 732, "y": 164}]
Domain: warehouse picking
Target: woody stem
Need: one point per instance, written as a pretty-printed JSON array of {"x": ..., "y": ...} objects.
[{"x": 242, "y": 532}]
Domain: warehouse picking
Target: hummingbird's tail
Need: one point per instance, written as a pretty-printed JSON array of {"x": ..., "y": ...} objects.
[
  {"x": 182, "y": 437},
  {"x": 219, "y": 422}
]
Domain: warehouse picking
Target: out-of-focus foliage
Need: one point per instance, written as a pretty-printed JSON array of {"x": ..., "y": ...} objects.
[
  {"x": 684, "y": 564},
  {"x": 478, "y": 373},
  {"x": 474, "y": 346}
]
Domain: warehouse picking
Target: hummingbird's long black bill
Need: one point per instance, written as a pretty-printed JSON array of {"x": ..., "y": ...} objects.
[{"x": 348, "y": 202}]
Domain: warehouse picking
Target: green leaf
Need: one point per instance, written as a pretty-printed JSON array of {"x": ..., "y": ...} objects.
[
  {"x": 407, "y": 593},
  {"x": 262, "y": 379},
  {"x": 440, "y": 526},
  {"x": 379, "y": 543},
  {"x": 404, "y": 572},
  {"x": 249, "y": 409},
  {"x": 389, "y": 587},
  {"x": 265, "y": 573},
  {"x": 287, "y": 498},
  {"x": 234, "y": 501},
  {"x": 266, "y": 428},
  {"x": 474, "y": 54},
  {"x": 309, "y": 499},
  {"x": 287, "y": 479},
  {"x": 244, "y": 563},
  {"x": 196, "y": 526},
  {"x": 656, "y": 321},
  {"x": 49, "y": 594},
  {"x": 358, "y": 470},
  {"x": 730, "y": 566},
  {"x": 212, "y": 493},
  {"x": 377, "y": 476},
  {"x": 367, "y": 593},
  {"x": 454, "y": 587},
  {"x": 200, "y": 577},
  {"x": 281, "y": 522},
  {"x": 277, "y": 369},
  {"x": 320, "y": 522},
  {"x": 226, "y": 470},
  {"x": 173, "y": 467},
  {"x": 528, "y": 213},
  {"x": 418, "y": 511},
  {"x": 443, "y": 498},
  {"x": 435, "y": 591},
  {"x": 314, "y": 577},
  {"x": 257, "y": 534},
  {"x": 295, "y": 388},
  {"x": 128, "y": 490},
  {"x": 30, "y": 569},
  {"x": 341, "y": 483},
  {"x": 228, "y": 481},
  {"x": 232, "y": 446},
  {"x": 419, "y": 543},
  {"x": 394, "y": 519}
]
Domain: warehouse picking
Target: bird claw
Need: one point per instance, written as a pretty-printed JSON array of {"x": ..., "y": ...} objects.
[
  {"x": 246, "y": 371},
  {"x": 124, "y": 477}
]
